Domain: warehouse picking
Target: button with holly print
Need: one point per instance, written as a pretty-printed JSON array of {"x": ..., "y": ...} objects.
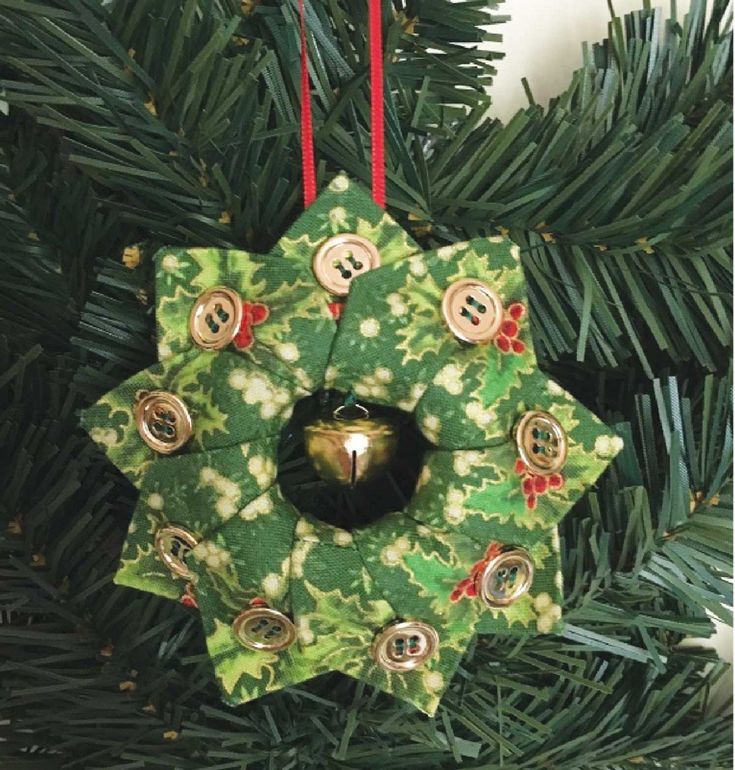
[
  {"x": 263, "y": 628},
  {"x": 541, "y": 442},
  {"x": 505, "y": 577},
  {"x": 215, "y": 318},
  {"x": 405, "y": 645},
  {"x": 163, "y": 420},
  {"x": 174, "y": 544},
  {"x": 341, "y": 258},
  {"x": 472, "y": 311}
]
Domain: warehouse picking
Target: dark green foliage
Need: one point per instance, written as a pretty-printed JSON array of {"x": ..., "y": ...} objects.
[{"x": 152, "y": 121}]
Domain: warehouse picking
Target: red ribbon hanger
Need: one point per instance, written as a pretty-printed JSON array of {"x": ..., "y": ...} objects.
[{"x": 377, "y": 118}]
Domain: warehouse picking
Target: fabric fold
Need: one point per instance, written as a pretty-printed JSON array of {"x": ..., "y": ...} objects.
[
  {"x": 198, "y": 493},
  {"x": 229, "y": 401},
  {"x": 292, "y": 334},
  {"x": 394, "y": 340}
]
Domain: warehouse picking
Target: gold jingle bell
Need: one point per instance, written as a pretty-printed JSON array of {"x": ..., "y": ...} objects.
[{"x": 350, "y": 449}]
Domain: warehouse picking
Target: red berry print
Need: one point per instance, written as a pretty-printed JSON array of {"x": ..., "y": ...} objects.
[
  {"x": 556, "y": 481},
  {"x": 188, "y": 598},
  {"x": 253, "y": 314},
  {"x": 493, "y": 550},
  {"x": 467, "y": 587},
  {"x": 540, "y": 484},
  {"x": 507, "y": 338},
  {"x": 509, "y": 328},
  {"x": 503, "y": 343},
  {"x": 336, "y": 308},
  {"x": 516, "y": 311},
  {"x": 533, "y": 485},
  {"x": 258, "y": 313},
  {"x": 244, "y": 338}
]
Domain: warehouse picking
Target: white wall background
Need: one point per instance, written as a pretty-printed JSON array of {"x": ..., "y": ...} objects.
[{"x": 543, "y": 43}]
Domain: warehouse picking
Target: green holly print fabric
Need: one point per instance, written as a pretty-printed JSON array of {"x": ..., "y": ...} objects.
[
  {"x": 388, "y": 343},
  {"x": 471, "y": 489},
  {"x": 199, "y": 492},
  {"x": 394, "y": 342},
  {"x": 345, "y": 207},
  {"x": 230, "y": 400},
  {"x": 293, "y": 341},
  {"x": 342, "y": 602}
]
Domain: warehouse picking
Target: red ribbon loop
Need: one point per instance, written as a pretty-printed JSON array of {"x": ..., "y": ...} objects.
[{"x": 377, "y": 116}]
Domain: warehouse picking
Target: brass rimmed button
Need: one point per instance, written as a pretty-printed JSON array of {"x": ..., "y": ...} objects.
[
  {"x": 174, "y": 544},
  {"x": 541, "y": 442},
  {"x": 405, "y": 645},
  {"x": 215, "y": 318},
  {"x": 341, "y": 258},
  {"x": 263, "y": 628},
  {"x": 163, "y": 421},
  {"x": 505, "y": 578},
  {"x": 472, "y": 311}
]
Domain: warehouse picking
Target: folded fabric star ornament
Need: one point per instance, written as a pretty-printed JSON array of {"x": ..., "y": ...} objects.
[{"x": 347, "y": 303}]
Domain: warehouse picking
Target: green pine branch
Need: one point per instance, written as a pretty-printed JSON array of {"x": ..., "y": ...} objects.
[
  {"x": 133, "y": 124},
  {"x": 620, "y": 192}
]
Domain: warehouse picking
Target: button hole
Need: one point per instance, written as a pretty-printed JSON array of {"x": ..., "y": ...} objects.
[
  {"x": 354, "y": 262},
  {"x": 179, "y": 549},
  {"x": 343, "y": 271},
  {"x": 474, "y": 320},
  {"x": 221, "y": 313},
  {"x": 475, "y": 304},
  {"x": 262, "y": 623}
]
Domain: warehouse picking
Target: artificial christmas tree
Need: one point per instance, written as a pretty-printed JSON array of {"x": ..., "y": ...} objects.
[{"x": 134, "y": 125}]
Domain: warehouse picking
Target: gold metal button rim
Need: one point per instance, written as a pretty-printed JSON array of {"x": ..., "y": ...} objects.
[
  {"x": 451, "y": 311},
  {"x": 204, "y": 338},
  {"x": 142, "y": 411},
  {"x": 509, "y": 554},
  {"x": 338, "y": 286},
  {"x": 524, "y": 439},
  {"x": 176, "y": 565},
  {"x": 383, "y": 640},
  {"x": 268, "y": 613}
]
